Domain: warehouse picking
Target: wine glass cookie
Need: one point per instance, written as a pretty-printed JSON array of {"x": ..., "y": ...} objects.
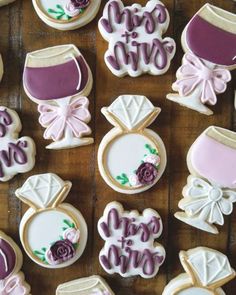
[
  {"x": 53, "y": 233},
  {"x": 211, "y": 188},
  {"x": 130, "y": 248},
  {"x": 206, "y": 271},
  {"x": 134, "y": 33},
  {"x": 209, "y": 42},
  {"x": 131, "y": 158},
  {"x": 66, "y": 14},
  {"x": 17, "y": 155},
  {"x": 58, "y": 79},
  {"x": 93, "y": 285},
  {"x": 12, "y": 280}
]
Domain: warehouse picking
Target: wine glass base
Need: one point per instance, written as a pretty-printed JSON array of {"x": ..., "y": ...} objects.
[
  {"x": 191, "y": 103},
  {"x": 68, "y": 144},
  {"x": 196, "y": 222}
]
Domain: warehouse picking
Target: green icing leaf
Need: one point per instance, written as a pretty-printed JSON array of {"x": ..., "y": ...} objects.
[
  {"x": 123, "y": 179},
  {"x": 150, "y": 149}
]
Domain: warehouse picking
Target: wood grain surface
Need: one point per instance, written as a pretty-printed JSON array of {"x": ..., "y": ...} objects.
[{"x": 21, "y": 31}]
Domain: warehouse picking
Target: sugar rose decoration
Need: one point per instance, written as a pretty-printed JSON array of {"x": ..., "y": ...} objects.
[
  {"x": 135, "y": 38},
  {"x": 64, "y": 249},
  {"x": 130, "y": 248},
  {"x": 72, "y": 8}
]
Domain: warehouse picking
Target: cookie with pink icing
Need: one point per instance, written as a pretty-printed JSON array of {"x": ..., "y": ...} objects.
[
  {"x": 59, "y": 80},
  {"x": 130, "y": 248},
  {"x": 12, "y": 281},
  {"x": 211, "y": 188},
  {"x": 209, "y": 42},
  {"x": 134, "y": 34},
  {"x": 17, "y": 155}
]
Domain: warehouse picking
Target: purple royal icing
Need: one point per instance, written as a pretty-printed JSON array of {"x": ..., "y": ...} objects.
[
  {"x": 7, "y": 259},
  {"x": 56, "y": 82},
  {"x": 210, "y": 42}
]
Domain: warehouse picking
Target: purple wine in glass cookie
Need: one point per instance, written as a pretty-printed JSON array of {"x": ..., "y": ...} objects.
[
  {"x": 53, "y": 233},
  {"x": 209, "y": 42},
  {"x": 12, "y": 280},
  {"x": 17, "y": 155},
  {"x": 58, "y": 79},
  {"x": 131, "y": 158},
  {"x": 130, "y": 248},
  {"x": 134, "y": 34}
]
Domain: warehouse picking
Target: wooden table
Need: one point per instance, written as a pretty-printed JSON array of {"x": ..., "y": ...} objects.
[{"x": 21, "y": 32}]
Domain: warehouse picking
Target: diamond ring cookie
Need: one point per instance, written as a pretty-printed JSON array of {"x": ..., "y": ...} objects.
[
  {"x": 93, "y": 285},
  {"x": 131, "y": 158},
  {"x": 134, "y": 34},
  {"x": 209, "y": 42},
  {"x": 17, "y": 155},
  {"x": 211, "y": 188},
  {"x": 12, "y": 280},
  {"x": 53, "y": 233},
  {"x": 58, "y": 79},
  {"x": 130, "y": 248},
  {"x": 66, "y": 14},
  {"x": 206, "y": 271}
]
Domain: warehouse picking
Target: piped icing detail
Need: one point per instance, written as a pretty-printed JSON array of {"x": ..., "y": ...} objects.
[
  {"x": 135, "y": 38},
  {"x": 17, "y": 155},
  {"x": 129, "y": 241}
]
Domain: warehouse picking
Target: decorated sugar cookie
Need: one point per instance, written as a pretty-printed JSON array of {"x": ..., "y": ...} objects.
[
  {"x": 93, "y": 285},
  {"x": 134, "y": 33},
  {"x": 206, "y": 271},
  {"x": 12, "y": 280},
  {"x": 209, "y": 40},
  {"x": 53, "y": 233},
  {"x": 131, "y": 158},
  {"x": 130, "y": 248},
  {"x": 17, "y": 155},
  {"x": 66, "y": 14},
  {"x": 5, "y": 2},
  {"x": 58, "y": 79},
  {"x": 211, "y": 188}
]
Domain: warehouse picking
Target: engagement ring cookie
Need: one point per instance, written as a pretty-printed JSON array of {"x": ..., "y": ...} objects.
[
  {"x": 53, "y": 233},
  {"x": 12, "y": 281},
  {"x": 2, "y": 3},
  {"x": 93, "y": 285},
  {"x": 206, "y": 271},
  {"x": 211, "y": 188},
  {"x": 66, "y": 14},
  {"x": 17, "y": 155},
  {"x": 134, "y": 33},
  {"x": 58, "y": 79},
  {"x": 209, "y": 40},
  {"x": 130, "y": 248},
  {"x": 131, "y": 158}
]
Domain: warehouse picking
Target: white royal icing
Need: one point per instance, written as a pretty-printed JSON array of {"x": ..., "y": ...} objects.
[
  {"x": 50, "y": 222},
  {"x": 147, "y": 255},
  {"x": 17, "y": 155},
  {"x": 132, "y": 39}
]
